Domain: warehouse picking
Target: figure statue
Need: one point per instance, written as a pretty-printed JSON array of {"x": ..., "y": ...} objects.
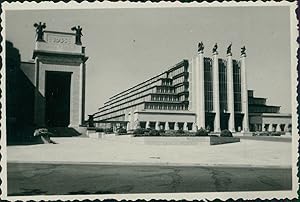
[
  {"x": 78, "y": 33},
  {"x": 229, "y": 49},
  {"x": 200, "y": 47},
  {"x": 39, "y": 31},
  {"x": 243, "y": 50},
  {"x": 215, "y": 48}
]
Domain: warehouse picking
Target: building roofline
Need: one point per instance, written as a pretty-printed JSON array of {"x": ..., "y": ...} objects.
[
  {"x": 276, "y": 115},
  {"x": 28, "y": 62},
  {"x": 264, "y": 105},
  {"x": 57, "y": 32}
]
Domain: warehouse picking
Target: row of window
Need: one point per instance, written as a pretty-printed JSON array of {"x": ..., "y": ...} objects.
[
  {"x": 178, "y": 80},
  {"x": 257, "y": 101},
  {"x": 164, "y": 98},
  {"x": 180, "y": 89},
  {"x": 208, "y": 86},
  {"x": 223, "y": 85},
  {"x": 176, "y": 71},
  {"x": 165, "y": 106},
  {"x": 237, "y": 87},
  {"x": 266, "y": 109},
  {"x": 165, "y": 89},
  {"x": 166, "y": 82}
]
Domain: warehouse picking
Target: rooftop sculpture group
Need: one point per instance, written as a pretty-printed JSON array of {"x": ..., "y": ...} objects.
[
  {"x": 39, "y": 29},
  {"x": 215, "y": 49}
]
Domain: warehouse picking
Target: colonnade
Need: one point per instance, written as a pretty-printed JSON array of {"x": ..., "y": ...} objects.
[
  {"x": 199, "y": 105},
  {"x": 166, "y": 125},
  {"x": 272, "y": 127}
]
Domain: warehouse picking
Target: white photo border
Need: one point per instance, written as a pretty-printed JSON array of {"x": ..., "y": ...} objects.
[{"x": 166, "y": 196}]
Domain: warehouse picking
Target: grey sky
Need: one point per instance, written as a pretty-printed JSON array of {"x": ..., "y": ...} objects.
[{"x": 127, "y": 46}]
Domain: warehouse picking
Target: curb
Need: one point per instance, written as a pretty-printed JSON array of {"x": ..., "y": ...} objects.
[{"x": 166, "y": 164}]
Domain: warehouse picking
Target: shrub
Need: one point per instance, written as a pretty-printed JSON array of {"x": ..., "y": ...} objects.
[
  {"x": 108, "y": 130},
  {"x": 99, "y": 130},
  {"x": 201, "y": 132},
  {"x": 276, "y": 133},
  {"x": 139, "y": 131},
  {"x": 162, "y": 131},
  {"x": 122, "y": 131},
  {"x": 226, "y": 133},
  {"x": 207, "y": 129},
  {"x": 180, "y": 131},
  {"x": 154, "y": 133}
]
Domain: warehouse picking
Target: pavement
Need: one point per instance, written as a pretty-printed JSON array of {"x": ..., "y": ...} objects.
[
  {"x": 120, "y": 151},
  {"x": 57, "y": 179}
]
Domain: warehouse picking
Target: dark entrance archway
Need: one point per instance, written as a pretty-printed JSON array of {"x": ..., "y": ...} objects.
[
  {"x": 238, "y": 119},
  {"x": 57, "y": 95},
  {"x": 209, "y": 121},
  {"x": 224, "y": 117}
]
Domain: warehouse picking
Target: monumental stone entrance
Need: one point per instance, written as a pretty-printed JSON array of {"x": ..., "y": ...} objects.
[{"x": 59, "y": 78}]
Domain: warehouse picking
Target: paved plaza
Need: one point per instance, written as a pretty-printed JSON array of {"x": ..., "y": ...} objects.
[
  {"x": 118, "y": 164},
  {"x": 121, "y": 150}
]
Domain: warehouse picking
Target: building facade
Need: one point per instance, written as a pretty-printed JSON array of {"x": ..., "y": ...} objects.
[
  {"x": 48, "y": 91},
  {"x": 204, "y": 92}
]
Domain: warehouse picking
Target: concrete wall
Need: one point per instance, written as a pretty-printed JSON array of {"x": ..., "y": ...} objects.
[
  {"x": 163, "y": 117},
  {"x": 276, "y": 120}
]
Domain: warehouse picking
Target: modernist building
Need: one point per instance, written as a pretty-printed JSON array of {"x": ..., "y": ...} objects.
[{"x": 201, "y": 92}]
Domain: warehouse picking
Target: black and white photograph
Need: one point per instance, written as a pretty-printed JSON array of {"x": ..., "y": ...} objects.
[{"x": 149, "y": 101}]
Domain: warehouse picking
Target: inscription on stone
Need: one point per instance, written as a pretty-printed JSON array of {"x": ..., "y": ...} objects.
[{"x": 59, "y": 40}]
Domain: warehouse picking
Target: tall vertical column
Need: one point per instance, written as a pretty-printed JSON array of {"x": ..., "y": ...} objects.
[
  {"x": 83, "y": 93},
  {"x": 216, "y": 95},
  {"x": 244, "y": 91},
  {"x": 37, "y": 119},
  {"x": 200, "y": 102},
  {"x": 80, "y": 110},
  {"x": 147, "y": 124},
  {"x": 230, "y": 92},
  {"x": 131, "y": 119},
  {"x": 167, "y": 126}
]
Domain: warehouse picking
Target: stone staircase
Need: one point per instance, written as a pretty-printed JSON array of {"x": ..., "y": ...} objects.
[{"x": 63, "y": 132}]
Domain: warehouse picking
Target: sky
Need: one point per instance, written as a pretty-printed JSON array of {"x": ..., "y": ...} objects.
[{"x": 128, "y": 46}]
